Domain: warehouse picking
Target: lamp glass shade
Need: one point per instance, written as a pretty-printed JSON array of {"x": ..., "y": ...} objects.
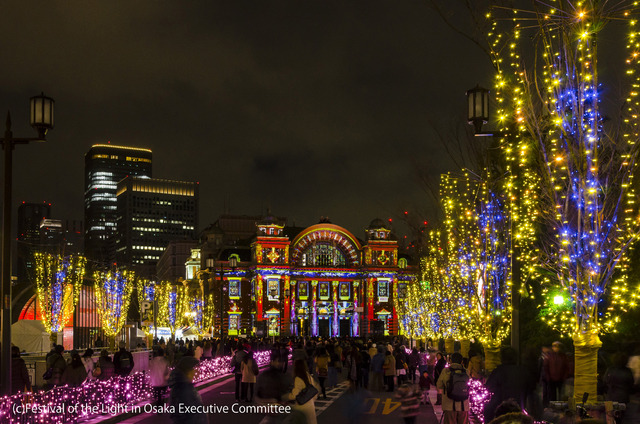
[
  {"x": 210, "y": 262},
  {"x": 478, "y": 104},
  {"x": 41, "y": 116},
  {"x": 233, "y": 262}
]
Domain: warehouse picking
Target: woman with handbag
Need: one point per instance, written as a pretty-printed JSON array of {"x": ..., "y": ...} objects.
[{"x": 304, "y": 392}]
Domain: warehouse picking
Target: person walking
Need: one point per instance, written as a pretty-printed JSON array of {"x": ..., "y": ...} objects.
[
  {"x": 104, "y": 369},
  {"x": 184, "y": 394},
  {"x": 322, "y": 368},
  {"x": 123, "y": 361},
  {"x": 377, "y": 372},
  {"x": 389, "y": 367},
  {"x": 75, "y": 373},
  {"x": 413, "y": 362},
  {"x": 332, "y": 379},
  {"x": 425, "y": 384},
  {"x": 409, "y": 397},
  {"x": 236, "y": 367},
  {"x": 365, "y": 367},
  {"x": 556, "y": 369},
  {"x": 401, "y": 364},
  {"x": 159, "y": 375},
  {"x": 56, "y": 364},
  {"x": 508, "y": 381},
  {"x": 89, "y": 365},
  {"x": 618, "y": 379},
  {"x": 453, "y": 385},
  {"x": 302, "y": 379},
  {"x": 437, "y": 370},
  {"x": 249, "y": 370},
  {"x": 20, "y": 381}
]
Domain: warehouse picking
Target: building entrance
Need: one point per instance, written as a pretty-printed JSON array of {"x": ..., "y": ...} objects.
[
  {"x": 324, "y": 328},
  {"x": 345, "y": 327}
]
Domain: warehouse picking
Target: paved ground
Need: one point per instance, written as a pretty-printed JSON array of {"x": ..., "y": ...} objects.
[{"x": 341, "y": 407}]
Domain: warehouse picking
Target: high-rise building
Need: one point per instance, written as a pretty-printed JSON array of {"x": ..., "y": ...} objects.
[
  {"x": 30, "y": 215},
  {"x": 105, "y": 166},
  {"x": 151, "y": 213}
]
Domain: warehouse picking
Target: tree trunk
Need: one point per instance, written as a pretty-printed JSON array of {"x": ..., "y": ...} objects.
[
  {"x": 448, "y": 345},
  {"x": 586, "y": 366},
  {"x": 491, "y": 357},
  {"x": 465, "y": 346}
]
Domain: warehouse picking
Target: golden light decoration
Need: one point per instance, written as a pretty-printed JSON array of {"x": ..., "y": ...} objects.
[
  {"x": 113, "y": 291},
  {"x": 58, "y": 285}
]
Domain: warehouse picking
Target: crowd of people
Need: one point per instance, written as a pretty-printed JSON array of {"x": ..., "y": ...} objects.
[{"x": 529, "y": 382}]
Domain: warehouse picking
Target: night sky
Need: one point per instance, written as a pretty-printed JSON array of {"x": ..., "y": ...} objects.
[{"x": 311, "y": 108}]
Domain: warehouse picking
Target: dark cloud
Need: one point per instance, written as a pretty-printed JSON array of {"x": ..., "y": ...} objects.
[{"x": 311, "y": 108}]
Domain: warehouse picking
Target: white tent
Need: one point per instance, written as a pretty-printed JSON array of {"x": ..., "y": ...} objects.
[{"x": 29, "y": 335}]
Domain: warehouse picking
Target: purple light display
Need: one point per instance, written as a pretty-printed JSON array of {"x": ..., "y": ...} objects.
[{"x": 64, "y": 404}]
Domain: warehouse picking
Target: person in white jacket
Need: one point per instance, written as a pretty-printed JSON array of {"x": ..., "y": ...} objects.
[{"x": 159, "y": 375}]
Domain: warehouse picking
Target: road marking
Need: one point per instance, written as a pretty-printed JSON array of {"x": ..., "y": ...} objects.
[
  {"x": 374, "y": 406},
  {"x": 388, "y": 407}
]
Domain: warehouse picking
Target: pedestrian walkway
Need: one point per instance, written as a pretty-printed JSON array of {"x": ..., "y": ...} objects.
[{"x": 332, "y": 394}]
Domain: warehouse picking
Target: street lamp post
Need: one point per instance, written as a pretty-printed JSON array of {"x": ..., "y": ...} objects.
[
  {"x": 478, "y": 115},
  {"x": 41, "y": 119}
]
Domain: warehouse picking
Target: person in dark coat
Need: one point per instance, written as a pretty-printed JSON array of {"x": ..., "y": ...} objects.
[
  {"x": 57, "y": 364},
  {"x": 437, "y": 370},
  {"x": 20, "y": 381},
  {"x": 183, "y": 392},
  {"x": 508, "y": 381},
  {"x": 75, "y": 373},
  {"x": 236, "y": 363},
  {"x": 556, "y": 369},
  {"x": 123, "y": 361},
  {"x": 618, "y": 379},
  {"x": 413, "y": 362},
  {"x": 107, "y": 370}
]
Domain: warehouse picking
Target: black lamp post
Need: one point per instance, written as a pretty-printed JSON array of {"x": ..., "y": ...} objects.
[
  {"x": 478, "y": 109},
  {"x": 478, "y": 115},
  {"x": 41, "y": 119}
]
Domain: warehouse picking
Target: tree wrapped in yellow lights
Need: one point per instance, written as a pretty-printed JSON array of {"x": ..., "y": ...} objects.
[
  {"x": 146, "y": 291},
  {"x": 478, "y": 233},
  {"x": 58, "y": 284},
  {"x": 113, "y": 292},
  {"x": 585, "y": 164},
  {"x": 172, "y": 305}
]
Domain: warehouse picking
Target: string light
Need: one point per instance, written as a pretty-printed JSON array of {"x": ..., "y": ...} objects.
[
  {"x": 64, "y": 404},
  {"x": 58, "y": 285},
  {"x": 113, "y": 295}
]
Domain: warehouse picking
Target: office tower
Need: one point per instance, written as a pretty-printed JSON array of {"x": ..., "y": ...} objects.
[
  {"x": 30, "y": 215},
  {"x": 105, "y": 166},
  {"x": 151, "y": 213}
]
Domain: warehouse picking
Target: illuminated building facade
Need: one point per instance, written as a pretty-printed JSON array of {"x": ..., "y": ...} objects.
[
  {"x": 314, "y": 281},
  {"x": 105, "y": 166},
  {"x": 151, "y": 213}
]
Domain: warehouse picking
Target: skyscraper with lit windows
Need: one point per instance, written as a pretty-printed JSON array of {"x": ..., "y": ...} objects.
[
  {"x": 153, "y": 212},
  {"x": 105, "y": 166}
]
